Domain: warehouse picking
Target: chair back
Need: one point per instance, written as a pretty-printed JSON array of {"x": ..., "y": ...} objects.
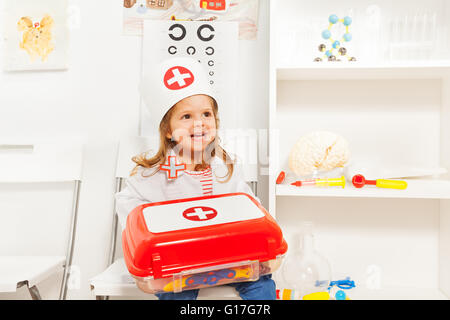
[
  {"x": 128, "y": 147},
  {"x": 35, "y": 160}
]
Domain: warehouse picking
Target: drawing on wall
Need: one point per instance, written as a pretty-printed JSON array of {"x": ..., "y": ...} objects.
[
  {"x": 245, "y": 12},
  {"x": 37, "y": 39},
  {"x": 36, "y": 35}
]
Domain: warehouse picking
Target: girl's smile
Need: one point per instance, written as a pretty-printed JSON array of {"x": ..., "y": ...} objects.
[{"x": 193, "y": 124}]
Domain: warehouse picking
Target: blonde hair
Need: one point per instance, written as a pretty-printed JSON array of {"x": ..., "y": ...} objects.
[{"x": 166, "y": 144}]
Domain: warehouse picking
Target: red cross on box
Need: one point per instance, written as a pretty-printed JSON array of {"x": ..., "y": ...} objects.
[{"x": 200, "y": 213}]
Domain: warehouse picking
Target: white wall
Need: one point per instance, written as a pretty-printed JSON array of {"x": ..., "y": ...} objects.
[{"x": 97, "y": 99}]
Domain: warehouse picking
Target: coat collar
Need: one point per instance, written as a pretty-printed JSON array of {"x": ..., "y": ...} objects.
[{"x": 173, "y": 162}]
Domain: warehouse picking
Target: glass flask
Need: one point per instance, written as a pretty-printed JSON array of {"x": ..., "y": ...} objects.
[{"x": 305, "y": 270}]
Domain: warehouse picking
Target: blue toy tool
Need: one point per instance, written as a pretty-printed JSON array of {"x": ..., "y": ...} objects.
[
  {"x": 340, "y": 295},
  {"x": 345, "y": 284}
]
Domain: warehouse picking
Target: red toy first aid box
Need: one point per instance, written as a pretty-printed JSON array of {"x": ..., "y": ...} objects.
[{"x": 192, "y": 243}]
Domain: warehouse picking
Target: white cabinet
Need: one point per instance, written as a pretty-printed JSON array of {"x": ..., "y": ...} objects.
[{"x": 393, "y": 107}]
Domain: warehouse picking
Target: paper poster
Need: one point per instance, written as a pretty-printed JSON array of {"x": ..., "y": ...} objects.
[
  {"x": 214, "y": 44},
  {"x": 245, "y": 12},
  {"x": 35, "y": 34}
]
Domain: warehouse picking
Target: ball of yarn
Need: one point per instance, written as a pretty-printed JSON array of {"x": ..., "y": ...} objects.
[{"x": 319, "y": 150}]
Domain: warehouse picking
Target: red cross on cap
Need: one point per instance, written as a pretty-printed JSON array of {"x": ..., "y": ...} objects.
[
  {"x": 178, "y": 77},
  {"x": 172, "y": 167},
  {"x": 200, "y": 213}
]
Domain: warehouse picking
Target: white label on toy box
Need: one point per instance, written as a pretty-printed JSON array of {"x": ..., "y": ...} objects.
[{"x": 200, "y": 213}]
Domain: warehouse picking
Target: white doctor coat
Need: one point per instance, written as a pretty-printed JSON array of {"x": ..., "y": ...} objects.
[{"x": 157, "y": 187}]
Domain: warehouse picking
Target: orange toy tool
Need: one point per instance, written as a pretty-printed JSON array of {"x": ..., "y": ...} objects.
[{"x": 359, "y": 181}]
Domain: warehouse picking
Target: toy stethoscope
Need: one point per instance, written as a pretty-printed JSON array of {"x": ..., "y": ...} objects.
[{"x": 342, "y": 284}]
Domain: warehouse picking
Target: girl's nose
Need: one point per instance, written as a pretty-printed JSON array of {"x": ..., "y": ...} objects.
[
  {"x": 198, "y": 123},
  {"x": 198, "y": 120}
]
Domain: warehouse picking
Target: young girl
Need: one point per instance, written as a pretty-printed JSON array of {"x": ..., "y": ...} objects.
[{"x": 190, "y": 161}]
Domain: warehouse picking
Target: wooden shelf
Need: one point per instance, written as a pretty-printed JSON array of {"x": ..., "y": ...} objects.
[
  {"x": 333, "y": 71},
  {"x": 418, "y": 189}
]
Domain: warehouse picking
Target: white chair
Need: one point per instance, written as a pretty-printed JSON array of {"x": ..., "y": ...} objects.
[
  {"x": 116, "y": 280},
  {"x": 35, "y": 161}
]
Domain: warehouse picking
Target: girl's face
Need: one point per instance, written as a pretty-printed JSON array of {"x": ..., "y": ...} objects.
[{"x": 193, "y": 124}]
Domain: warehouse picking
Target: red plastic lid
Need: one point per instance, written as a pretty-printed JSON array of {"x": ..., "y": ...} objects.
[
  {"x": 165, "y": 238},
  {"x": 359, "y": 181},
  {"x": 281, "y": 177}
]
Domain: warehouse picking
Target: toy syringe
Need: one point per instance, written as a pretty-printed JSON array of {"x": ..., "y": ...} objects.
[
  {"x": 332, "y": 182},
  {"x": 359, "y": 181}
]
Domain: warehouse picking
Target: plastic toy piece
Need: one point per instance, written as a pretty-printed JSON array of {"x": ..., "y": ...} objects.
[
  {"x": 209, "y": 278},
  {"x": 343, "y": 284},
  {"x": 359, "y": 181},
  {"x": 333, "y": 182},
  {"x": 340, "y": 295},
  {"x": 281, "y": 177},
  {"x": 335, "y": 44},
  {"x": 289, "y": 294},
  {"x": 317, "y": 296},
  {"x": 286, "y": 294},
  {"x": 213, "y": 5}
]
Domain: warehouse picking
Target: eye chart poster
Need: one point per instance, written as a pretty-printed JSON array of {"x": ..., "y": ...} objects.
[
  {"x": 215, "y": 45},
  {"x": 245, "y": 12}
]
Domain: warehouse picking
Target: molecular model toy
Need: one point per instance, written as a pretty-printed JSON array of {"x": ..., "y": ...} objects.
[{"x": 336, "y": 44}]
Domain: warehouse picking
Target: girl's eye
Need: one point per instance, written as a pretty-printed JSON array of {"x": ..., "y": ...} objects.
[
  {"x": 207, "y": 114},
  {"x": 186, "y": 116}
]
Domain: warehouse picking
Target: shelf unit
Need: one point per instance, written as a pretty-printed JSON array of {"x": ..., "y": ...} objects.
[
  {"x": 361, "y": 71},
  {"x": 392, "y": 112},
  {"x": 417, "y": 189}
]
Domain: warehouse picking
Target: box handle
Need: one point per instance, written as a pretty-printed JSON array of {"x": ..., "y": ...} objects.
[{"x": 156, "y": 266}]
